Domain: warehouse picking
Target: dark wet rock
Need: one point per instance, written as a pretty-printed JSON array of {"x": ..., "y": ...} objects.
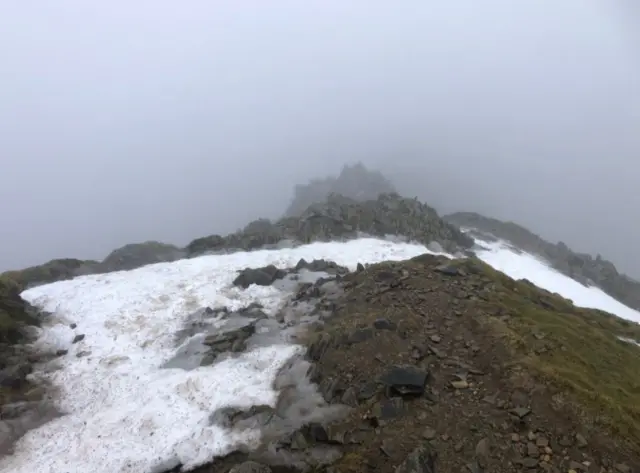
[
  {"x": 448, "y": 269},
  {"x": 406, "y": 380},
  {"x": 78, "y": 338},
  {"x": 367, "y": 391},
  {"x": 384, "y": 324},
  {"x": 420, "y": 460},
  {"x": 321, "y": 265},
  {"x": 389, "y": 408},
  {"x": 229, "y": 417},
  {"x": 264, "y": 276},
  {"x": 233, "y": 341}
]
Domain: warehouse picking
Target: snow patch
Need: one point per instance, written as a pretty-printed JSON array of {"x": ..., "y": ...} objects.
[
  {"x": 124, "y": 411},
  {"x": 520, "y": 265}
]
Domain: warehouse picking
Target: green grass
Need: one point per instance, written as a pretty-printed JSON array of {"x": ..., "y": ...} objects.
[{"x": 574, "y": 348}]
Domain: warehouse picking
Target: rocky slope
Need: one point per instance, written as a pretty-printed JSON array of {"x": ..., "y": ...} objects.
[
  {"x": 356, "y": 182},
  {"x": 579, "y": 266},
  {"x": 340, "y": 217},
  {"x": 426, "y": 366},
  {"x": 444, "y": 366}
]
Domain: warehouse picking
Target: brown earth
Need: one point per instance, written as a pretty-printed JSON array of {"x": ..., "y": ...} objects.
[{"x": 453, "y": 367}]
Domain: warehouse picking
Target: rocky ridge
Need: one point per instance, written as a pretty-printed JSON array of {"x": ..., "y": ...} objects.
[
  {"x": 356, "y": 182},
  {"x": 581, "y": 267},
  {"x": 434, "y": 365},
  {"x": 342, "y": 218}
]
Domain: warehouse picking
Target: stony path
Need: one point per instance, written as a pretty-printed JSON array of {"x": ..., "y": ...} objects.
[{"x": 431, "y": 388}]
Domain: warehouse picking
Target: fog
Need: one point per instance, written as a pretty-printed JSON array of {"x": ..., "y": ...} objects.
[{"x": 127, "y": 121}]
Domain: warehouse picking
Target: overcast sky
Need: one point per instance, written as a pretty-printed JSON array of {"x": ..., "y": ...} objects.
[{"x": 124, "y": 121}]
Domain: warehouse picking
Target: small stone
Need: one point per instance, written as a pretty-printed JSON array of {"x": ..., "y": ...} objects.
[
  {"x": 482, "y": 448},
  {"x": 420, "y": 460},
  {"x": 460, "y": 384},
  {"x": 581, "y": 442},
  {"x": 386, "y": 448},
  {"x": 542, "y": 442},
  {"x": 78, "y": 338},
  {"x": 436, "y": 338},
  {"x": 384, "y": 324},
  {"x": 521, "y": 412},
  {"x": 429, "y": 433},
  {"x": 515, "y": 437}
]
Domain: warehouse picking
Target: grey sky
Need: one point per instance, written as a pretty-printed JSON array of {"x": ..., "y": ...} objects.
[{"x": 126, "y": 121}]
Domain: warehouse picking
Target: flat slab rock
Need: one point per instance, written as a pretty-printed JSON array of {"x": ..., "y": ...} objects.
[{"x": 405, "y": 380}]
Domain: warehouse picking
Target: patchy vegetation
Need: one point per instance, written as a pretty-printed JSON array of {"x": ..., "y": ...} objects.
[{"x": 487, "y": 371}]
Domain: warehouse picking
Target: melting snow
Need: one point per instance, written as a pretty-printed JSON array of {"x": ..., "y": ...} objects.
[
  {"x": 524, "y": 265},
  {"x": 127, "y": 414}
]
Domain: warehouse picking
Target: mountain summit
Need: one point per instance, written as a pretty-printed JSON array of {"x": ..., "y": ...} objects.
[{"x": 354, "y": 181}]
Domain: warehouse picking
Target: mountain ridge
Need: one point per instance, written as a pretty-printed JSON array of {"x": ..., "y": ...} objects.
[{"x": 582, "y": 267}]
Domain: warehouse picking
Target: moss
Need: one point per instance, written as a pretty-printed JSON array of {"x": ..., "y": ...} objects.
[
  {"x": 14, "y": 313},
  {"x": 578, "y": 350}
]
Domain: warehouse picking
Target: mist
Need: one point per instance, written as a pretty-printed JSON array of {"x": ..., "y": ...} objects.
[{"x": 123, "y": 122}]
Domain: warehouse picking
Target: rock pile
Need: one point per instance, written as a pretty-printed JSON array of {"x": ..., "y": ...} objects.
[
  {"x": 356, "y": 182},
  {"x": 340, "y": 217},
  {"x": 580, "y": 266}
]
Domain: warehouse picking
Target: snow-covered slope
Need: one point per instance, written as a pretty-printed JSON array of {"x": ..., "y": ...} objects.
[
  {"x": 521, "y": 265},
  {"x": 126, "y": 413}
]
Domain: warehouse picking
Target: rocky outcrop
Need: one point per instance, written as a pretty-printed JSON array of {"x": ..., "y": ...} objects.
[
  {"x": 54, "y": 270},
  {"x": 356, "y": 182},
  {"x": 580, "y": 266},
  {"x": 339, "y": 218},
  {"x": 136, "y": 255}
]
